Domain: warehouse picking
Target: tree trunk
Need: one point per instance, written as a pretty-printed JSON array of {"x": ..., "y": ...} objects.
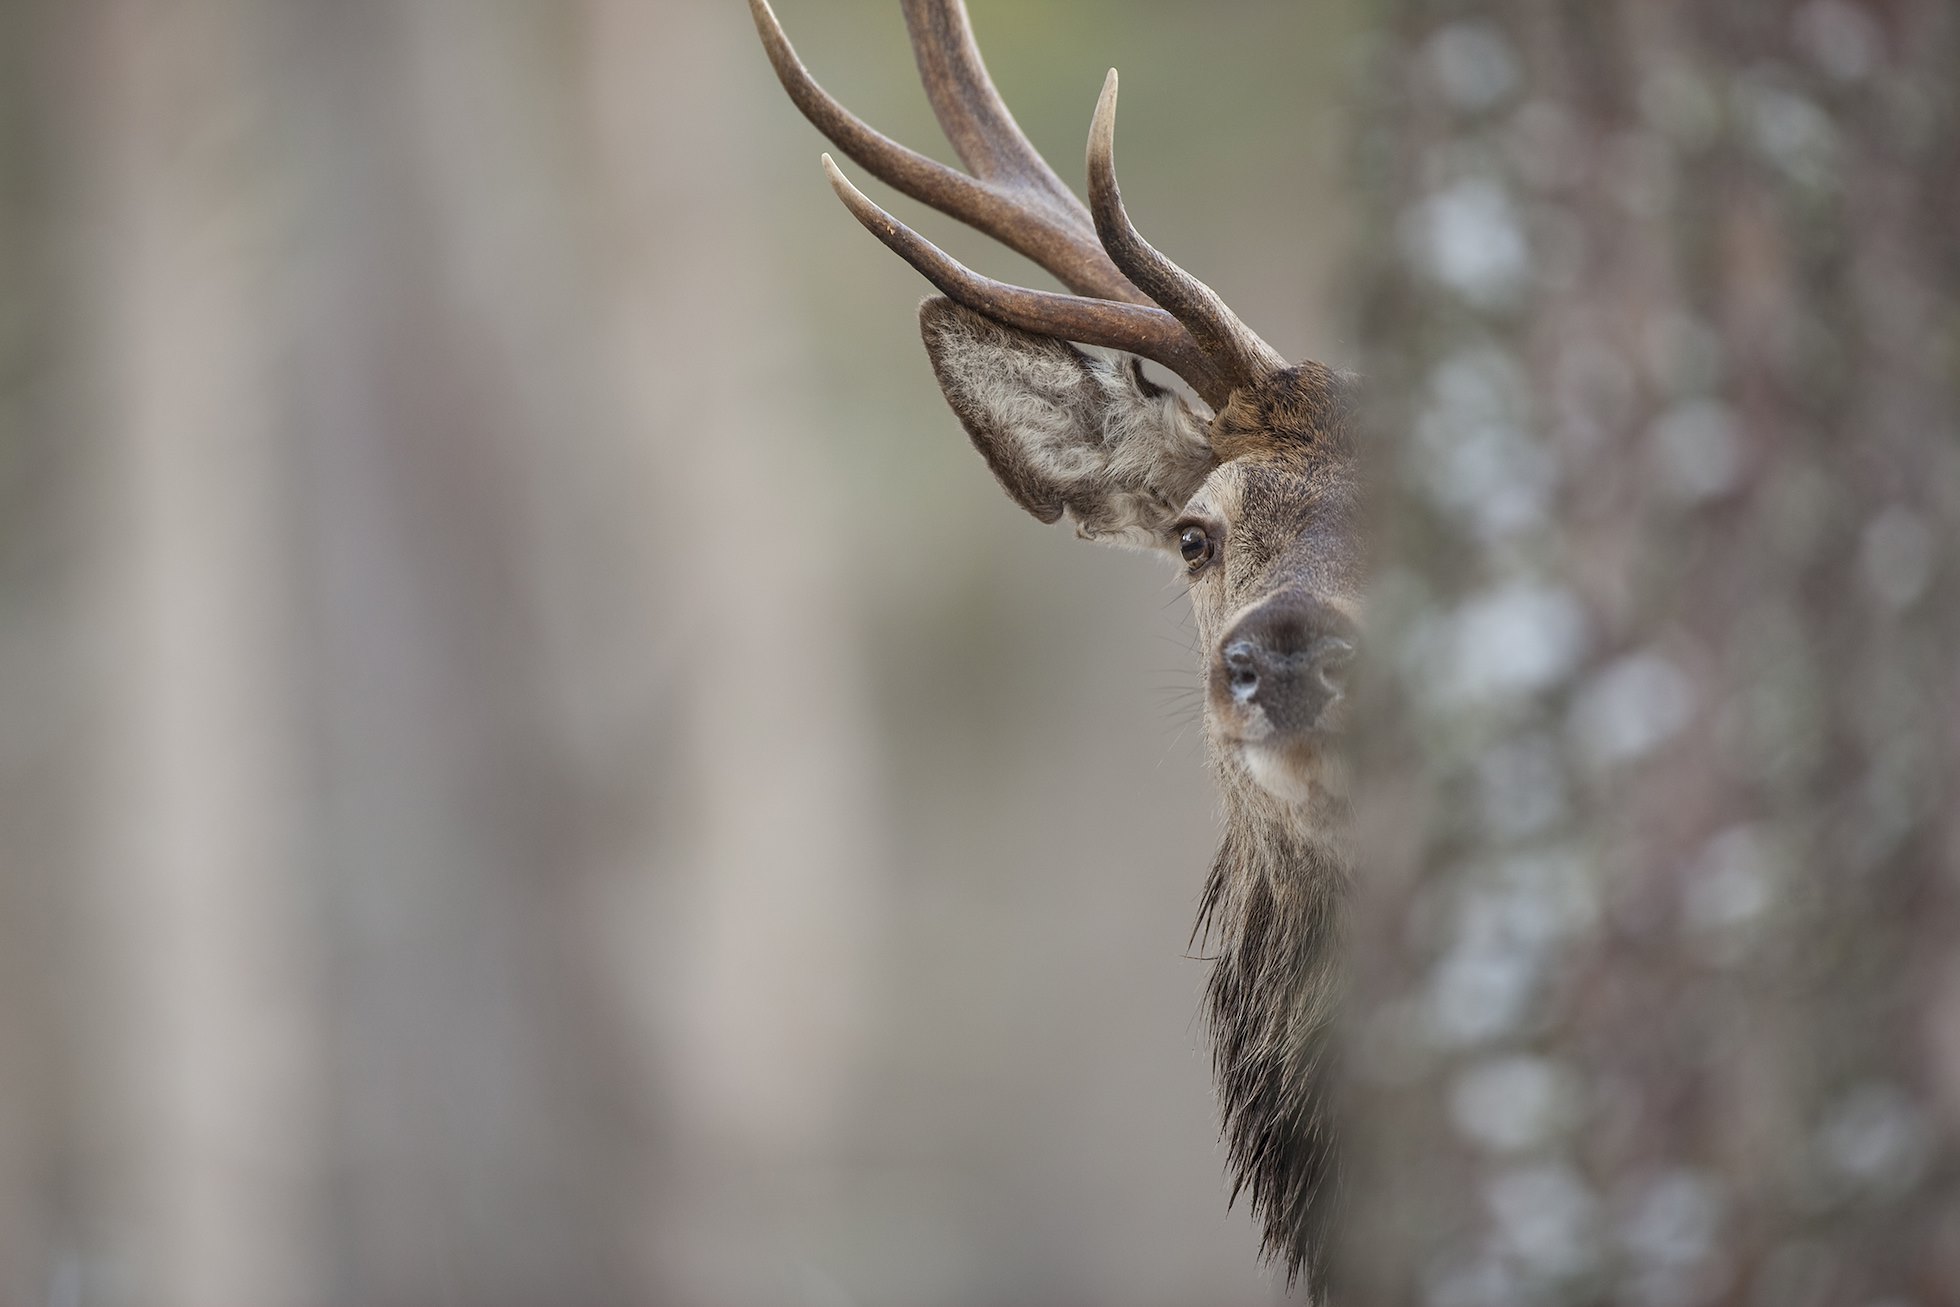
[{"x": 1656, "y": 964}]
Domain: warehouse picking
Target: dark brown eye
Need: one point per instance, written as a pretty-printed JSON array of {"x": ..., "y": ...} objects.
[{"x": 1194, "y": 542}]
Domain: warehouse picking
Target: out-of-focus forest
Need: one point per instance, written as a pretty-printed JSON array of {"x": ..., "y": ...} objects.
[
  {"x": 537, "y": 767},
  {"x": 1657, "y": 954}
]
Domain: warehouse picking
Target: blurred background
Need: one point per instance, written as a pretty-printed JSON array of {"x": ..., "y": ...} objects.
[{"x": 535, "y": 764}]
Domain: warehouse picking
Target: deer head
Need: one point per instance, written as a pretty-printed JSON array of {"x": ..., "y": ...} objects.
[{"x": 1250, "y": 488}]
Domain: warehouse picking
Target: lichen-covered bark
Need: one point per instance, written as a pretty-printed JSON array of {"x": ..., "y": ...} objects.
[{"x": 1657, "y": 992}]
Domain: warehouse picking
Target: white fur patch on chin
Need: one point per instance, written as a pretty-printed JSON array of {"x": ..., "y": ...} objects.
[{"x": 1278, "y": 772}]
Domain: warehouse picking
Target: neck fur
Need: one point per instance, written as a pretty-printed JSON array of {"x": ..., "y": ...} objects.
[{"x": 1271, "y": 918}]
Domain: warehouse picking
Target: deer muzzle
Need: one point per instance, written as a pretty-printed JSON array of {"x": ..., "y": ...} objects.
[{"x": 1281, "y": 670}]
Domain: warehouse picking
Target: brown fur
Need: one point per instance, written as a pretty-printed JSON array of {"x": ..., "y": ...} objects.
[
  {"x": 1273, "y": 902},
  {"x": 1263, "y": 491},
  {"x": 1272, "y": 478}
]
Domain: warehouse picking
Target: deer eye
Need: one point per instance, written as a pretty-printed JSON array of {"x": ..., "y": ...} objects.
[{"x": 1195, "y": 543}]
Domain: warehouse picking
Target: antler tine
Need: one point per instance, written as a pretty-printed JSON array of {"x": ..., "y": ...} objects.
[
  {"x": 1016, "y": 198},
  {"x": 1231, "y": 346},
  {"x": 1146, "y": 331},
  {"x": 971, "y": 112}
]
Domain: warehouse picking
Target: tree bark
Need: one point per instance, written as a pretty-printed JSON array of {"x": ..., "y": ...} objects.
[{"x": 1655, "y": 965}]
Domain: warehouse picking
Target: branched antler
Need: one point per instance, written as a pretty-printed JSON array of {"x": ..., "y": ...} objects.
[{"x": 1128, "y": 296}]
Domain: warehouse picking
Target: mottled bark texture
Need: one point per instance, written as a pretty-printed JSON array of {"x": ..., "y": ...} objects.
[{"x": 1657, "y": 992}]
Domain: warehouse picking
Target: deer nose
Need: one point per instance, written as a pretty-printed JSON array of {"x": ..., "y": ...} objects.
[
  {"x": 1242, "y": 659},
  {"x": 1288, "y": 658}
]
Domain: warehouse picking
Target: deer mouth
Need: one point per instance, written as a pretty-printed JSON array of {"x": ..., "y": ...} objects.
[
  {"x": 1284, "y": 746},
  {"x": 1286, "y": 768}
]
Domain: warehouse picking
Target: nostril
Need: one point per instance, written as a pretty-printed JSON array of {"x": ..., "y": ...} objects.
[
  {"x": 1331, "y": 655},
  {"x": 1242, "y": 670}
]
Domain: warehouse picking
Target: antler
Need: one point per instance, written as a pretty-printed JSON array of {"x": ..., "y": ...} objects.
[
  {"x": 1015, "y": 197},
  {"x": 1228, "y": 343}
]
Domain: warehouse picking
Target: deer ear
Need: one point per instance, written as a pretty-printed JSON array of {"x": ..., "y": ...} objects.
[{"x": 1066, "y": 432}]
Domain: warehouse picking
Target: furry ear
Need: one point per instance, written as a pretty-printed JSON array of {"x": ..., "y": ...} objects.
[{"x": 1064, "y": 431}]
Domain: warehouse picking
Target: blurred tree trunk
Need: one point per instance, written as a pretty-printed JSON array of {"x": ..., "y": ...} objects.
[
  {"x": 1658, "y": 958},
  {"x": 382, "y": 865},
  {"x": 176, "y": 1125}
]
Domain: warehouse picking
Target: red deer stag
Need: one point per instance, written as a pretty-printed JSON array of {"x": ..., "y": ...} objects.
[{"x": 1254, "y": 493}]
